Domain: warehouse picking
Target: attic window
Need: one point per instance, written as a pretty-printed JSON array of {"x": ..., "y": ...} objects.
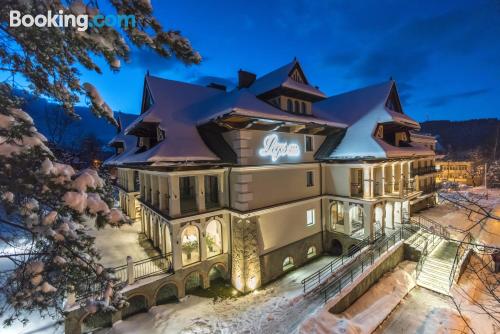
[
  {"x": 160, "y": 134},
  {"x": 380, "y": 132},
  {"x": 296, "y": 76}
]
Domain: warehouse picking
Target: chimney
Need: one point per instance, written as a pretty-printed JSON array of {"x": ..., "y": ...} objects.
[
  {"x": 245, "y": 79},
  {"x": 217, "y": 86}
]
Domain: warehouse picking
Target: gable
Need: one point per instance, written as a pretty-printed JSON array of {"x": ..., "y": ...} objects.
[
  {"x": 393, "y": 103},
  {"x": 147, "y": 98},
  {"x": 297, "y": 75}
]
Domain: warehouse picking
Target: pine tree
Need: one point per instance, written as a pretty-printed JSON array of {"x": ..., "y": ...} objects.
[{"x": 46, "y": 201}]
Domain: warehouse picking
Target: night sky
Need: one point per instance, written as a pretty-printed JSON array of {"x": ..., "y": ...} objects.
[{"x": 444, "y": 55}]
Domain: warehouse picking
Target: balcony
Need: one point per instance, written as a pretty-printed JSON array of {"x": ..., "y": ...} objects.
[
  {"x": 423, "y": 171},
  {"x": 356, "y": 190}
]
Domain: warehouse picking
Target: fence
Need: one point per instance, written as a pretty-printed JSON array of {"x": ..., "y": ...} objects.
[
  {"x": 315, "y": 279},
  {"x": 363, "y": 262}
]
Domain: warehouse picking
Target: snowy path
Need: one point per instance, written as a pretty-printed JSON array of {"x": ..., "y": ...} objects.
[{"x": 277, "y": 308}]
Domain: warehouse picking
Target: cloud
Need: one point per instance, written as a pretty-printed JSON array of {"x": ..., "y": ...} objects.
[{"x": 439, "y": 101}]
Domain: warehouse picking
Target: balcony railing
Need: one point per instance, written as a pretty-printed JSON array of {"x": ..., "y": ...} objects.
[{"x": 423, "y": 170}]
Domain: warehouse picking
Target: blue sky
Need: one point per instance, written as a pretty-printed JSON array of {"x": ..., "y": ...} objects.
[{"x": 444, "y": 55}]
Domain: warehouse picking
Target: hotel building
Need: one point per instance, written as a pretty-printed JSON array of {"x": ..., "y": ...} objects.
[{"x": 252, "y": 182}]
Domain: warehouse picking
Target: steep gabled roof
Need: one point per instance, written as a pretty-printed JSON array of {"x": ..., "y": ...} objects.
[
  {"x": 363, "y": 109},
  {"x": 129, "y": 143},
  {"x": 281, "y": 78}
]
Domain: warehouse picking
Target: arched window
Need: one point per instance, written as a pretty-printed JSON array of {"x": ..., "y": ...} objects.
[
  {"x": 311, "y": 252},
  {"x": 289, "y": 105},
  {"x": 304, "y": 108},
  {"x": 356, "y": 216},
  {"x": 337, "y": 214},
  {"x": 213, "y": 238},
  {"x": 297, "y": 107},
  {"x": 287, "y": 263},
  {"x": 190, "y": 245}
]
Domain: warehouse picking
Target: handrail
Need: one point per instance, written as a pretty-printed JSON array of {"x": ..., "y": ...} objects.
[
  {"x": 347, "y": 277},
  {"x": 465, "y": 245},
  {"x": 313, "y": 280},
  {"x": 431, "y": 226}
]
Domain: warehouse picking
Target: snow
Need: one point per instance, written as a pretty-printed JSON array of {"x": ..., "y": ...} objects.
[
  {"x": 457, "y": 220},
  {"x": 424, "y": 311},
  {"x": 276, "y": 308}
]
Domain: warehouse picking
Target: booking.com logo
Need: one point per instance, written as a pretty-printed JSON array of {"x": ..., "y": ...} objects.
[{"x": 80, "y": 22}]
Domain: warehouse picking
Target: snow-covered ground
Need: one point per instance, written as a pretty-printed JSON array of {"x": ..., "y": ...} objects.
[
  {"x": 424, "y": 311},
  {"x": 115, "y": 244},
  {"x": 277, "y": 308},
  {"x": 365, "y": 315},
  {"x": 459, "y": 220}
]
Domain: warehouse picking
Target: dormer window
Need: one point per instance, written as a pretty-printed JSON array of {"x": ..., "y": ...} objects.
[
  {"x": 304, "y": 108},
  {"x": 160, "y": 134},
  {"x": 289, "y": 105},
  {"x": 297, "y": 107}
]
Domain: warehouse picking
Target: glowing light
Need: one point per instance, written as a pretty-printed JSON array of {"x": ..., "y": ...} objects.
[{"x": 274, "y": 149}]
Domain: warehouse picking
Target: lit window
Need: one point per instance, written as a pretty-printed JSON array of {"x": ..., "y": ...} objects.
[
  {"x": 287, "y": 263},
  {"x": 310, "y": 216},
  {"x": 310, "y": 178},
  {"x": 309, "y": 143},
  {"x": 311, "y": 252},
  {"x": 337, "y": 214}
]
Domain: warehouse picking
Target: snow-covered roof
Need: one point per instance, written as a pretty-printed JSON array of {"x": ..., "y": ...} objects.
[
  {"x": 363, "y": 109},
  {"x": 129, "y": 143},
  {"x": 281, "y": 78}
]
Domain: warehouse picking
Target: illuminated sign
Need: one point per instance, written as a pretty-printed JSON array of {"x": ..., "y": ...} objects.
[{"x": 274, "y": 149}]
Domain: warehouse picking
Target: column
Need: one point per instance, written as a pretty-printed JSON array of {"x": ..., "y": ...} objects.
[
  {"x": 393, "y": 177},
  {"x": 347, "y": 219},
  {"x": 382, "y": 181},
  {"x": 221, "y": 194},
  {"x": 174, "y": 200},
  {"x": 130, "y": 180},
  {"x": 163, "y": 189},
  {"x": 200, "y": 192},
  {"x": 203, "y": 244},
  {"x": 372, "y": 182},
  {"x": 147, "y": 188},
  {"x": 154, "y": 190},
  {"x": 366, "y": 182},
  {"x": 368, "y": 220},
  {"x": 176, "y": 248}
]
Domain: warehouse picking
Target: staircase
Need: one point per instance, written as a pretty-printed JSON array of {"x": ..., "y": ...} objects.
[{"x": 436, "y": 267}]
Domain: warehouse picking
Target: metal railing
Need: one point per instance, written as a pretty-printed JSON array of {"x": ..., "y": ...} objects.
[
  {"x": 423, "y": 170},
  {"x": 460, "y": 255},
  {"x": 363, "y": 262},
  {"x": 312, "y": 281},
  {"x": 430, "y": 226}
]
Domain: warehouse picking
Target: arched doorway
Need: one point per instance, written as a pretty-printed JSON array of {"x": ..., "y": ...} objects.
[
  {"x": 137, "y": 304},
  {"x": 217, "y": 273},
  {"x": 93, "y": 322},
  {"x": 336, "y": 247},
  {"x": 167, "y": 294},
  {"x": 193, "y": 281}
]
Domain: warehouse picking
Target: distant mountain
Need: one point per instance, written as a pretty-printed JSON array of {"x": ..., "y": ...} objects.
[
  {"x": 459, "y": 138},
  {"x": 67, "y": 132}
]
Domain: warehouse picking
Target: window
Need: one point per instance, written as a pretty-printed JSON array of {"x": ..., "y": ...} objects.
[
  {"x": 304, "y": 108},
  {"x": 311, "y": 252},
  {"x": 309, "y": 143},
  {"x": 213, "y": 238},
  {"x": 310, "y": 217},
  {"x": 310, "y": 178},
  {"x": 190, "y": 245},
  {"x": 287, "y": 263},
  {"x": 337, "y": 213},
  {"x": 297, "y": 107},
  {"x": 289, "y": 105},
  {"x": 187, "y": 193},
  {"x": 211, "y": 191}
]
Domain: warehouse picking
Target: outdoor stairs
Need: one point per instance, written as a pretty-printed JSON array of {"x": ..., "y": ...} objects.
[{"x": 437, "y": 266}]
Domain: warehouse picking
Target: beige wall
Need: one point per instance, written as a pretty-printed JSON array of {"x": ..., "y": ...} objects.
[
  {"x": 337, "y": 180},
  {"x": 282, "y": 227},
  {"x": 260, "y": 187}
]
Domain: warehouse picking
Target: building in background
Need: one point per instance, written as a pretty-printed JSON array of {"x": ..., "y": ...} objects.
[
  {"x": 251, "y": 183},
  {"x": 460, "y": 172}
]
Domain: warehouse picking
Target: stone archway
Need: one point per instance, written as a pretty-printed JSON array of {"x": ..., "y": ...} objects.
[
  {"x": 92, "y": 322},
  {"x": 193, "y": 281},
  {"x": 137, "y": 304},
  {"x": 336, "y": 248},
  {"x": 218, "y": 272},
  {"x": 167, "y": 293}
]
